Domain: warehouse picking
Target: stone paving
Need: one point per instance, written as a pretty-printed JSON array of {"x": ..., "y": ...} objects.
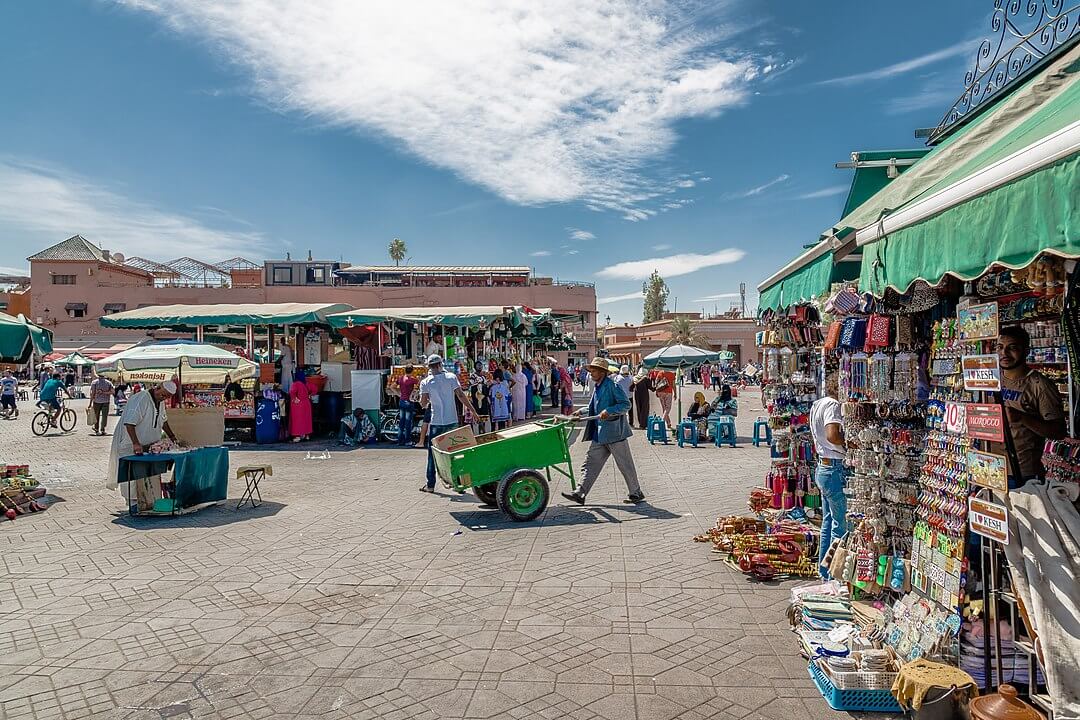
[{"x": 348, "y": 594}]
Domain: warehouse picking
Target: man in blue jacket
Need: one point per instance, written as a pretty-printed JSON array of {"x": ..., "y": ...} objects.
[{"x": 608, "y": 434}]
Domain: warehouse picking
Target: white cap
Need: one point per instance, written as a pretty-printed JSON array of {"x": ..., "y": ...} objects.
[
  {"x": 434, "y": 360},
  {"x": 169, "y": 386},
  {"x": 625, "y": 369}
]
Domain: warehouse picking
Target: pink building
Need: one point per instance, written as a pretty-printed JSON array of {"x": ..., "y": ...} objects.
[
  {"x": 74, "y": 283},
  {"x": 630, "y": 343}
]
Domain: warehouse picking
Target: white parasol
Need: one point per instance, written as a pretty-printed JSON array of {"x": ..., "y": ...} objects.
[{"x": 192, "y": 362}]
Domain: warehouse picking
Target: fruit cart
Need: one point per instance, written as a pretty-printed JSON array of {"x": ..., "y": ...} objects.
[{"x": 509, "y": 469}]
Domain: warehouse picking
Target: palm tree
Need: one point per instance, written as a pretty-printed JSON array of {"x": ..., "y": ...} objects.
[
  {"x": 684, "y": 332},
  {"x": 397, "y": 250}
]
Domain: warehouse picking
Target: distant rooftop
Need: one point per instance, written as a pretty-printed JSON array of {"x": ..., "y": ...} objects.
[
  {"x": 75, "y": 247},
  {"x": 457, "y": 269}
]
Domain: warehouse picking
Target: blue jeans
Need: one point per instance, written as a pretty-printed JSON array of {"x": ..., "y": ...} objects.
[
  {"x": 830, "y": 480},
  {"x": 406, "y": 418},
  {"x": 434, "y": 430}
]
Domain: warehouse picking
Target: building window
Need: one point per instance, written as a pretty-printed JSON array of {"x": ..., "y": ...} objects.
[
  {"x": 75, "y": 310},
  {"x": 63, "y": 279},
  {"x": 283, "y": 275},
  {"x": 316, "y": 275},
  {"x": 111, "y": 308}
]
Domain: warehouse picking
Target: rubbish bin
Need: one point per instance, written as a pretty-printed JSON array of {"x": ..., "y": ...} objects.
[
  {"x": 332, "y": 405},
  {"x": 267, "y": 421}
]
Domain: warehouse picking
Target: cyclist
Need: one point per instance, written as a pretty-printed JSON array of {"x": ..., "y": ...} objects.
[{"x": 50, "y": 396}]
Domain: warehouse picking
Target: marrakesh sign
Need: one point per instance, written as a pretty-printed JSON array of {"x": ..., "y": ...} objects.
[
  {"x": 984, "y": 422},
  {"x": 981, "y": 372},
  {"x": 988, "y": 519}
]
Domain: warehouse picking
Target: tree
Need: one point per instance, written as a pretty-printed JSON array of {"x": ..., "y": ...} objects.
[
  {"x": 684, "y": 332},
  {"x": 655, "y": 291},
  {"x": 397, "y": 250}
]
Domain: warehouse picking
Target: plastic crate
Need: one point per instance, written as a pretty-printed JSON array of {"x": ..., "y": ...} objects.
[{"x": 855, "y": 699}]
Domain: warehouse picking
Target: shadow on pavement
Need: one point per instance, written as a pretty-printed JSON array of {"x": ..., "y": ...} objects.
[
  {"x": 562, "y": 516},
  {"x": 214, "y": 516}
]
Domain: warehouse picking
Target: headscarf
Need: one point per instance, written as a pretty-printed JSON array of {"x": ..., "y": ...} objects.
[
  {"x": 725, "y": 393},
  {"x": 299, "y": 376}
]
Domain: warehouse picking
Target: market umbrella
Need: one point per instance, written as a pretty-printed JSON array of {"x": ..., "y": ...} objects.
[
  {"x": 193, "y": 362},
  {"x": 678, "y": 357},
  {"x": 75, "y": 359},
  {"x": 20, "y": 338}
]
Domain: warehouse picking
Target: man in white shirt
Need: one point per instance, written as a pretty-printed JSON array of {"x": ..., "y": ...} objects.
[
  {"x": 828, "y": 432},
  {"x": 439, "y": 389}
]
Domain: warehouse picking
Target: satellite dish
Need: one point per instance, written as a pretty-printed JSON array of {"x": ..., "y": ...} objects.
[{"x": 118, "y": 258}]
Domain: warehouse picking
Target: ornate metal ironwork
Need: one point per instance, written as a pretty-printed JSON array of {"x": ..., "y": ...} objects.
[{"x": 1026, "y": 34}]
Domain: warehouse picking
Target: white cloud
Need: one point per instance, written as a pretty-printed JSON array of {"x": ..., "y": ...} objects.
[
  {"x": 672, "y": 265},
  {"x": 759, "y": 189},
  {"x": 685, "y": 183},
  {"x": 57, "y": 204},
  {"x": 538, "y": 102},
  {"x": 540, "y": 253},
  {"x": 661, "y": 246},
  {"x": 572, "y": 252},
  {"x": 579, "y": 234},
  {"x": 903, "y": 67},
  {"x": 619, "y": 298},
  {"x": 824, "y": 192},
  {"x": 712, "y": 298}
]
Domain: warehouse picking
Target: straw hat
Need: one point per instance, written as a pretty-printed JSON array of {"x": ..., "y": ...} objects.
[{"x": 599, "y": 363}]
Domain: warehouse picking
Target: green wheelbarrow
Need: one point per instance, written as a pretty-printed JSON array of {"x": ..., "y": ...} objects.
[{"x": 509, "y": 469}]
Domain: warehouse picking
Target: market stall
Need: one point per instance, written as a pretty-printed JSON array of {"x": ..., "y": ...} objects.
[
  {"x": 955, "y": 352},
  {"x": 20, "y": 339},
  {"x": 195, "y": 478}
]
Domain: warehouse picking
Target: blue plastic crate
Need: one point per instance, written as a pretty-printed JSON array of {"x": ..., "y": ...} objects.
[{"x": 851, "y": 700}]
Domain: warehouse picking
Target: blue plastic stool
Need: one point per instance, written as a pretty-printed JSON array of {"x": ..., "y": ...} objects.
[
  {"x": 724, "y": 430},
  {"x": 758, "y": 424},
  {"x": 656, "y": 430},
  {"x": 687, "y": 432}
]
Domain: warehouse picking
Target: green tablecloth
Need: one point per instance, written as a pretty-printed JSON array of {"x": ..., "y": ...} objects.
[{"x": 201, "y": 475}]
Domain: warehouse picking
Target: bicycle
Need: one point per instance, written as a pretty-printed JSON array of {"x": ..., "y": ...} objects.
[
  {"x": 42, "y": 421},
  {"x": 390, "y": 425}
]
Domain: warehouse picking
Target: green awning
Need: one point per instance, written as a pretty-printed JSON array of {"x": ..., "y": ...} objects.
[
  {"x": 808, "y": 282},
  {"x": 1044, "y": 104},
  {"x": 19, "y": 337},
  {"x": 191, "y": 316},
  {"x": 869, "y": 180},
  {"x": 1009, "y": 226},
  {"x": 471, "y": 316}
]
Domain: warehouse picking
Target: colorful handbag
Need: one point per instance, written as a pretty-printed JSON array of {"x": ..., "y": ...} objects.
[
  {"x": 877, "y": 332},
  {"x": 832, "y": 336}
]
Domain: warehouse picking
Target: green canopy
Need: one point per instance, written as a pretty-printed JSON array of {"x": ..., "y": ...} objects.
[
  {"x": 471, "y": 316},
  {"x": 1008, "y": 226},
  {"x": 19, "y": 338},
  {"x": 1005, "y": 190},
  {"x": 190, "y": 316},
  {"x": 807, "y": 282}
]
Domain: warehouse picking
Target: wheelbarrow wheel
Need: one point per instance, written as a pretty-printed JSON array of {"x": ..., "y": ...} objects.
[
  {"x": 523, "y": 494},
  {"x": 487, "y": 494}
]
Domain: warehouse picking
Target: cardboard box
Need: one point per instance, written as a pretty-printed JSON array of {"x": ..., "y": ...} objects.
[{"x": 456, "y": 439}]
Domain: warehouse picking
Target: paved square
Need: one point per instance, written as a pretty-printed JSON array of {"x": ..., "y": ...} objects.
[{"x": 348, "y": 594}]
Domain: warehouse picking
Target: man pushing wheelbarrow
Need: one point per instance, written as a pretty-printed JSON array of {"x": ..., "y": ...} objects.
[{"x": 608, "y": 429}]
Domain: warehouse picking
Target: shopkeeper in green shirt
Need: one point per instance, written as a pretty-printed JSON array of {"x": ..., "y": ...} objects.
[{"x": 1032, "y": 403}]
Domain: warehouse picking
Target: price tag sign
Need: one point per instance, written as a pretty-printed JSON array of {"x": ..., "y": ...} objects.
[
  {"x": 955, "y": 417},
  {"x": 981, "y": 372},
  {"x": 984, "y": 422},
  {"x": 988, "y": 519},
  {"x": 978, "y": 322}
]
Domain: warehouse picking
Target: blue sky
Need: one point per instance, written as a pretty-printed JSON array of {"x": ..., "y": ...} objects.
[{"x": 593, "y": 141}]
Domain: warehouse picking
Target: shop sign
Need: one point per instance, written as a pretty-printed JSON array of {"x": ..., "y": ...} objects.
[
  {"x": 988, "y": 470},
  {"x": 955, "y": 414},
  {"x": 988, "y": 519},
  {"x": 981, "y": 372},
  {"x": 978, "y": 322},
  {"x": 984, "y": 422}
]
